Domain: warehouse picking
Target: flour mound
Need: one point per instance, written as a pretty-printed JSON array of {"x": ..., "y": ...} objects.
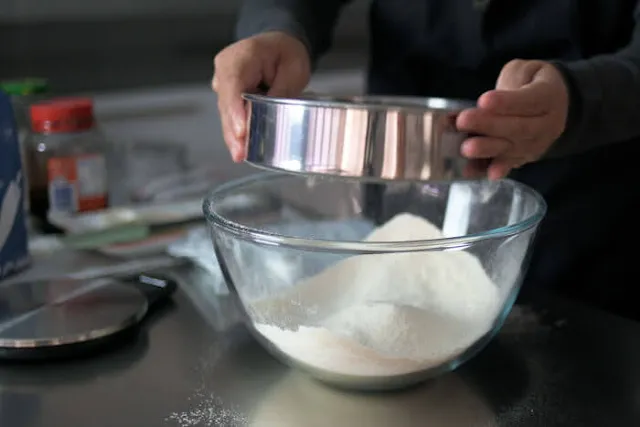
[{"x": 384, "y": 314}]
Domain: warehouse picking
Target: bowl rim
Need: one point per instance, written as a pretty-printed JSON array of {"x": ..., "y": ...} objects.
[
  {"x": 365, "y": 102},
  {"x": 270, "y": 238}
]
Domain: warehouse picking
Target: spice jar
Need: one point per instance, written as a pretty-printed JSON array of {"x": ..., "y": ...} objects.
[{"x": 66, "y": 158}]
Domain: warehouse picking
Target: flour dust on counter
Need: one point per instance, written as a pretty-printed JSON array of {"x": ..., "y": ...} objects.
[
  {"x": 384, "y": 314},
  {"x": 208, "y": 410}
]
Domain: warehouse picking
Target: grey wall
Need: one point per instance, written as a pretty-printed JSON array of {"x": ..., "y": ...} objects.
[
  {"x": 86, "y": 44},
  {"x": 38, "y": 11},
  {"x": 63, "y": 10}
]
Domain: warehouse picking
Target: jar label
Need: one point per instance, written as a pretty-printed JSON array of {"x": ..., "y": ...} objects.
[{"x": 78, "y": 183}]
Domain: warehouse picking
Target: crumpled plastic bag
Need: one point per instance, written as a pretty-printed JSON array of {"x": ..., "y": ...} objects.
[{"x": 197, "y": 245}]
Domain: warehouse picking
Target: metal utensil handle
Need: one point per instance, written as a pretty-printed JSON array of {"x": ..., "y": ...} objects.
[{"x": 156, "y": 287}]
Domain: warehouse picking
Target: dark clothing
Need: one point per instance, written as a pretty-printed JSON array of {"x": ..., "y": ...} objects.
[{"x": 456, "y": 49}]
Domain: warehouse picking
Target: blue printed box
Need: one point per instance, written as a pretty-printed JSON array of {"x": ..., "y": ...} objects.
[{"x": 14, "y": 249}]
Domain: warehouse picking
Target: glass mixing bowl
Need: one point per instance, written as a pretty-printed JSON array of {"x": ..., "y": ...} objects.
[{"x": 373, "y": 311}]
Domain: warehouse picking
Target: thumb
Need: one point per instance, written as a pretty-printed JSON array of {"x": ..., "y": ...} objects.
[
  {"x": 517, "y": 73},
  {"x": 529, "y": 100},
  {"x": 517, "y": 92},
  {"x": 290, "y": 80}
]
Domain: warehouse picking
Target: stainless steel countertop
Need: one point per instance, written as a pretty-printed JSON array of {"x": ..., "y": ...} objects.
[{"x": 194, "y": 364}]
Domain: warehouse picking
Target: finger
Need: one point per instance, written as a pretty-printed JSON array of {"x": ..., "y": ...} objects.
[
  {"x": 476, "y": 168},
  {"x": 286, "y": 82},
  {"x": 235, "y": 74},
  {"x": 214, "y": 83},
  {"x": 479, "y": 147},
  {"x": 529, "y": 101},
  {"x": 234, "y": 144},
  {"x": 233, "y": 119},
  {"x": 501, "y": 166},
  {"x": 231, "y": 103},
  {"x": 486, "y": 123},
  {"x": 517, "y": 73},
  {"x": 280, "y": 86}
]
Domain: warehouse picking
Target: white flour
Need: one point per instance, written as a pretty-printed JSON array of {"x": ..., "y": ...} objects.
[
  {"x": 377, "y": 315},
  {"x": 209, "y": 411}
]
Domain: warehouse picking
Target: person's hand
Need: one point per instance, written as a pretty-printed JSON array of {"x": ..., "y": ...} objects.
[
  {"x": 518, "y": 121},
  {"x": 274, "y": 59}
]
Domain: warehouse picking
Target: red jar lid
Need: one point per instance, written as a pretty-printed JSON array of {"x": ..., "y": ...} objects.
[{"x": 62, "y": 115}]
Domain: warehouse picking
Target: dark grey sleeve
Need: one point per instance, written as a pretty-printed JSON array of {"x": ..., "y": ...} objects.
[
  {"x": 311, "y": 21},
  {"x": 604, "y": 99}
]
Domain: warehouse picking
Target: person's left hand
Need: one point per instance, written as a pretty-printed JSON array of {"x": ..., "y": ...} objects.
[{"x": 519, "y": 120}]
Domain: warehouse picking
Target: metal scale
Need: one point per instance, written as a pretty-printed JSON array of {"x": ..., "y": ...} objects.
[{"x": 47, "y": 319}]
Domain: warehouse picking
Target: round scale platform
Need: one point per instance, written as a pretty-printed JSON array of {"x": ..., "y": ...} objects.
[{"x": 39, "y": 318}]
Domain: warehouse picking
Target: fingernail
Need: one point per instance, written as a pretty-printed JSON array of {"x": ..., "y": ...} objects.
[
  {"x": 233, "y": 150},
  {"x": 236, "y": 152},
  {"x": 465, "y": 148},
  {"x": 238, "y": 126},
  {"x": 460, "y": 119}
]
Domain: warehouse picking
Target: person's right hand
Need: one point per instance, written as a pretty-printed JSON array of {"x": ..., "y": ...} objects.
[{"x": 274, "y": 59}]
